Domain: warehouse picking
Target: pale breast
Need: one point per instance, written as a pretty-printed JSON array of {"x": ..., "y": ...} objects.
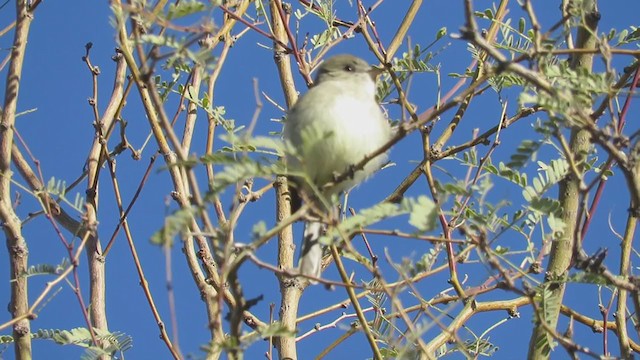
[{"x": 346, "y": 128}]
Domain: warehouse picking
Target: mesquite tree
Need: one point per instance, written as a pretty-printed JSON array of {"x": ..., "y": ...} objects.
[{"x": 504, "y": 219}]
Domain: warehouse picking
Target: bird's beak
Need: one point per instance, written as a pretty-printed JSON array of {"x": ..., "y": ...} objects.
[{"x": 375, "y": 71}]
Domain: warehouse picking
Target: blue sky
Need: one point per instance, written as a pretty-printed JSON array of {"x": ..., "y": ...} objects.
[{"x": 57, "y": 84}]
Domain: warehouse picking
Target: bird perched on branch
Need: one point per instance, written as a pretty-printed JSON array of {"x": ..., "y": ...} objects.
[{"x": 333, "y": 128}]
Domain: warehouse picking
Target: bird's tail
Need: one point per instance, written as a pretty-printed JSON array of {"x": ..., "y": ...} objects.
[{"x": 311, "y": 255}]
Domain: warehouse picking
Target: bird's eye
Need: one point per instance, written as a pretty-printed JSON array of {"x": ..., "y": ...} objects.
[{"x": 349, "y": 68}]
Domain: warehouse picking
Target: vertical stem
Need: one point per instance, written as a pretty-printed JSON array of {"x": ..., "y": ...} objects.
[
  {"x": 16, "y": 244},
  {"x": 95, "y": 258},
  {"x": 625, "y": 267},
  {"x": 569, "y": 197},
  {"x": 290, "y": 289}
]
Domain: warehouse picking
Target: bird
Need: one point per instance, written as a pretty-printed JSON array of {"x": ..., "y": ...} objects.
[{"x": 334, "y": 126}]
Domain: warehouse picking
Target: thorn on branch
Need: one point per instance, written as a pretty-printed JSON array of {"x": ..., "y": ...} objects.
[
  {"x": 535, "y": 268},
  {"x": 286, "y": 7},
  {"x": 466, "y": 33},
  {"x": 118, "y": 56},
  {"x": 513, "y": 312}
]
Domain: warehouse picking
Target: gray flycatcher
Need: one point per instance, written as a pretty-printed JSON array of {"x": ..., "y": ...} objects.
[{"x": 333, "y": 127}]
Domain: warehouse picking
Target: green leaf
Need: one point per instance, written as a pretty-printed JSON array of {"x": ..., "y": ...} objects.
[
  {"x": 242, "y": 169},
  {"x": 6, "y": 339},
  {"x": 184, "y": 8},
  {"x": 529, "y": 193},
  {"x": 389, "y": 353},
  {"x": 500, "y": 250},
  {"x": 423, "y": 214},
  {"x": 173, "y": 224},
  {"x": 369, "y": 216},
  {"x": 258, "y": 229},
  {"x": 113, "y": 341},
  {"x": 46, "y": 269},
  {"x": 556, "y": 224}
]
